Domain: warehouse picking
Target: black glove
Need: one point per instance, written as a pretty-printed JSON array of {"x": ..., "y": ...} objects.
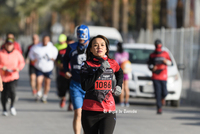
[
  {"x": 150, "y": 67},
  {"x": 117, "y": 90},
  {"x": 105, "y": 64},
  {"x": 80, "y": 51}
]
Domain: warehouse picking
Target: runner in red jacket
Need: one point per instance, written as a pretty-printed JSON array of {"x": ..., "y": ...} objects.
[
  {"x": 11, "y": 62},
  {"x": 16, "y": 44},
  {"x": 157, "y": 63},
  {"x": 97, "y": 79}
]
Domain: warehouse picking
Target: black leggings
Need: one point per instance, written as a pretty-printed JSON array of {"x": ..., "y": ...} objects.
[
  {"x": 98, "y": 122},
  {"x": 8, "y": 92},
  {"x": 63, "y": 86}
]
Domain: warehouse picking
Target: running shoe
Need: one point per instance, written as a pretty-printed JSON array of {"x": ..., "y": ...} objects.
[
  {"x": 5, "y": 113},
  {"x": 159, "y": 111},
  {"x": 127, "y": 104},
  {"x": 122, "y": 104},
  {"x": 44, "y": 99},
  {"x": 39, "y": 93},
  {"x": 38, "y": 96},
  {"x": 62, "y": 103},
  {"x": 13, "y": 111},
  {"x": 163, "y": 102},
  {"x": 70, "y": 107},
  {"x": 34, "y": 92}
]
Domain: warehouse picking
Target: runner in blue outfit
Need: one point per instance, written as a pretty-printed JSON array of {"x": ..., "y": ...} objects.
[{"x": 75, "y": 55}]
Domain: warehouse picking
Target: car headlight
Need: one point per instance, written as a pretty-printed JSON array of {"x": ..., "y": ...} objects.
[{"x": 172, "y": 79}]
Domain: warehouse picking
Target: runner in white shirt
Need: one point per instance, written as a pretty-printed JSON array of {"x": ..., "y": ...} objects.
[{"x": 43, "y": 56}]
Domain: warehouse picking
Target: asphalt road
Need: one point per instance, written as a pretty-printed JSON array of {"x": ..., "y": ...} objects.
[{"x": 140, "y": 118}]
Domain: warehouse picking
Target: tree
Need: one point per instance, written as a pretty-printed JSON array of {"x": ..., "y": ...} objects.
[
  {"x": 140, "y": 14},
  {"x": 149, "y": 19},
  {"x": 186, "y": 13},
  {"x": 125, "y": 8},
  {"x": 163, "y": 13},
  {"x": 179, "y": 14},
  {"x": 115, "y": 14},
  {"x": 87, "y": 11},
  {"x": 9, "y": 17},
  {"x": 30, "y": 10}
]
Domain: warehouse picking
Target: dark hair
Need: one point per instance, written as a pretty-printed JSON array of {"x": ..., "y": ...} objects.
[
  {"x": 119, "y": 47},
  {"x": 71, "y": 38},
  {"x": 45, "y": 37},
  {"x": 157, "y": 42},
  {"x": 89, "y": 53},
  {"x": 10, "y": 33}
]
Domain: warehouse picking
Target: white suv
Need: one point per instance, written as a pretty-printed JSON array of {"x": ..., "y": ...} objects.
[{"x": 141, "y": 84}]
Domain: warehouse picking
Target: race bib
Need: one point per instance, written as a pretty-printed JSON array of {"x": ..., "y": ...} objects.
[
  {"x": 103, "y": 84},
  {"x": 105, "y": 81}
]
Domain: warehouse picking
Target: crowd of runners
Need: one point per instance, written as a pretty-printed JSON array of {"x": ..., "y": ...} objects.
[
  {"x": 83, "y": 69},
  {"x": 73, "y": 75}
]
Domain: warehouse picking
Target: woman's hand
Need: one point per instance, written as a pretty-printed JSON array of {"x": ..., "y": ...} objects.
[
  {"x": 105, "y": 64},
  {"x": 117, "y": 90}
]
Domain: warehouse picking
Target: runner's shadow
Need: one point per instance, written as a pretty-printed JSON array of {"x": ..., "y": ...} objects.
[
  {"x": 33, "y": 100},
  {"x": 142, "y": 103},
  {"x": 194, "y": 124},
  {"x": 187, "y": 118},
  {"x": 40, "y": 110}
]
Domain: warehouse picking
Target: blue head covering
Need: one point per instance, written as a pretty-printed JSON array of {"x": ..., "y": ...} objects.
[{"x": 83, "y": 33}]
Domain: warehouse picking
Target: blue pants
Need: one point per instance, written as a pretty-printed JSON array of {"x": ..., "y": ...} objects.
[
  {"x": 77, "y": 94},
  {"x": 160, "y": 89},
  {"x": 46, "y": 74}
]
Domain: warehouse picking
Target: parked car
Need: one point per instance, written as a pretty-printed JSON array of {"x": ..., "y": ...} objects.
[
  {"x": 111, "y": 33},
  {"x": 141, "y": 84}
]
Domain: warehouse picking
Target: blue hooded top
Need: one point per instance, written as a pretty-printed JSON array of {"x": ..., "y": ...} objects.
[{"x": 75, "y": 53}]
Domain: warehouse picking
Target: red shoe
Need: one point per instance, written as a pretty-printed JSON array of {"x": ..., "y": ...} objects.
[
  {"x": 62, "y": 103},
  {"x": 70, "y": 107},
  {"x": 34, "y": 91},
  {"x": 159, "y": 111}
]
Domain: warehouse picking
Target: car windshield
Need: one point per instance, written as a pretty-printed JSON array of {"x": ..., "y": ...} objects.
[
  {"x": 113, "y": 42},
  {"x": 138, "y": 56}
]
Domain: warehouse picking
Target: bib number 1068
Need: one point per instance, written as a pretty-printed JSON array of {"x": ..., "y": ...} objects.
[{"x": 103, "y": 84}]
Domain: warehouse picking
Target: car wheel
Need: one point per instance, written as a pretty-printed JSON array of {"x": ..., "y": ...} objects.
[{"x": 175, "y": 103}]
